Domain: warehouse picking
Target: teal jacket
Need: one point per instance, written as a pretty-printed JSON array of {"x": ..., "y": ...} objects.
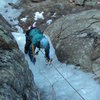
[{"x": 35, "y": 36}]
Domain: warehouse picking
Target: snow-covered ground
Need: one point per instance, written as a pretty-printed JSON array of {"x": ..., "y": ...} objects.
[{"x": 52, "y": 81}]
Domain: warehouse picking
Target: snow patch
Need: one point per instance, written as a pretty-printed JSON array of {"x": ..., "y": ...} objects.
[
  {"x": 98, "y": 2},
  {"x": 39, "y": 15},
  {"x": 54, "y": 15},
  {"x": 49, "y": 21},
  {"x": 23, "y": 19},
  {"x": 82, "y": 35}
]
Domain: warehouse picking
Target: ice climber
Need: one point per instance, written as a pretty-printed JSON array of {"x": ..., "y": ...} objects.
[{"x": 35, "y": 38}]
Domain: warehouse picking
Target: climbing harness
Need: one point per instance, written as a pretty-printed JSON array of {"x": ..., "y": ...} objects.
[{"x": 65, "y": 79}]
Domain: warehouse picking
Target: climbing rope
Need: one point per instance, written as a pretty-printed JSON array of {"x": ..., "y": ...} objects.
[
  {"x": 65, "y": 78},
  {"x": 52, "y": 85}
]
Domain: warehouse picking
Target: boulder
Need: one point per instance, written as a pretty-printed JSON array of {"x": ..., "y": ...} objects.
[{"x": 76, "y": 39}]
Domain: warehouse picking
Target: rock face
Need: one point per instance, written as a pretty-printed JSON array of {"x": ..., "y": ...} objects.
[
  {"x": 76, "y": 39},
  {"x": 16, "y": 80},
  {"x": 53, "y": 9}
]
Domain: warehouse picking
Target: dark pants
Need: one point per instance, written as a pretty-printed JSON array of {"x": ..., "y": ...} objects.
[
  {"x": 30, "y": 54},
  {"x": 47, "y": 51}
]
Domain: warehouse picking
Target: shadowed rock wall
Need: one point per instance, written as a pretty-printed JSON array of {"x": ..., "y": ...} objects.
[{"x": 16, "y": 80}]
